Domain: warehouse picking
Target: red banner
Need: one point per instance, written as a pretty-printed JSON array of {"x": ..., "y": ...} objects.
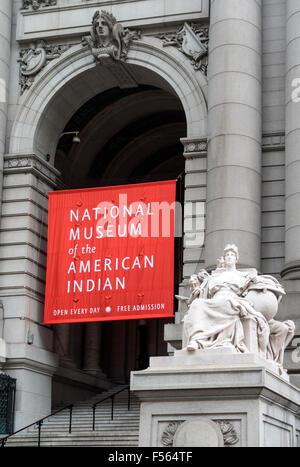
[{"x": 110, "y": 253}]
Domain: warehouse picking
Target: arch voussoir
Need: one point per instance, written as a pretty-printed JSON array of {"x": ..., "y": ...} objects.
[{"x": 62, "y": 79}]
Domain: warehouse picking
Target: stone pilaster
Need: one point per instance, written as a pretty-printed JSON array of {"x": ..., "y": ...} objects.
[
  {"x": 195, "y": 153},
  {"x": 292, "y": 225},
  {"x": 5, "y": 21},
  {"x": 234, "y": 131},
  {"x": 23, "y": 249}
]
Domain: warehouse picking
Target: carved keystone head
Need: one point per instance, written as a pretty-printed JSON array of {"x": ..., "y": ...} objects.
[{"x": 102, "y": 26}]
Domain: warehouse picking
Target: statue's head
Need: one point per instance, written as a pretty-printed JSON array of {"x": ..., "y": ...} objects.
[
  {"x": 103, "y": 24},
  {"x": 231, "y": 254}
]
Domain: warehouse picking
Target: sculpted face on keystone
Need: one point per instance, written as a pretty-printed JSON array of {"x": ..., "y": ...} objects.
[{"x": 111, "y": 253}]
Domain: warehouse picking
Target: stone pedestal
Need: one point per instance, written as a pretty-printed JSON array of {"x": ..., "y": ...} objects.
[{"x": 216, "y": 398}]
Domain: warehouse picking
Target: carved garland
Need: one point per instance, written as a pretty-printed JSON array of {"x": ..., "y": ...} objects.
[
  {"x": 36, "y": 4},
  {"x": 230, "y": 436}
]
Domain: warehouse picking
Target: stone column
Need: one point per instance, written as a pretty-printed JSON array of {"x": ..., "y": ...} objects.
[
  {"x": 5, "y": 41},
  {"x": 62, "y": 344},
  {"x": 92, "y": 348},
  {"x": 292, "y": 155},
  {"x": 117, "y": 352},
  {"x": 234, "y": 131}
]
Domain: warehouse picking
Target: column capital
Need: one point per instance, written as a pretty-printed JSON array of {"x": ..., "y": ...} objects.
[
  {"x": 194, "y": 147},
  {"x": 31, "y": 163}
]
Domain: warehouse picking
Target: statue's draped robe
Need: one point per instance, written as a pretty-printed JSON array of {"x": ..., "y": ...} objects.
[{"x": 213, "y": 320}]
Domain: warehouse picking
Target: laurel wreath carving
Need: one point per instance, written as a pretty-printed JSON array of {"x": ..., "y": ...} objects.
[{"x": 228, "y": 431}]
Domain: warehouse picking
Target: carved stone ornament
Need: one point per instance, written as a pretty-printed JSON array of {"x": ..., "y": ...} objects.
[
  {"x": 34, "y": 59},
  {"x": 30, "y": 163},
  {"x": 222, "y": 304},
  {"x": 228, "y": 431},
  {"x": 108, "y": 38},
  {"x": 191, "y": 40},
  {"x": 230, "y": 436},
  {"x": 169, "y": 433},
  {"x": 36, "y": 4}
]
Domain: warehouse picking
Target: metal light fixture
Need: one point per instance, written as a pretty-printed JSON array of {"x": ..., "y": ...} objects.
[{"x": 75, "y": 139}]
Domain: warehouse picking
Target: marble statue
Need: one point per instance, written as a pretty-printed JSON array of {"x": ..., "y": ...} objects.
[
  {"x": 220, "y": 301},
  {"x": 108, "y": 38}
]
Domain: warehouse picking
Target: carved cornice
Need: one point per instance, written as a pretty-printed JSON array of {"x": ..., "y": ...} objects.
[
  {"x": 16, "y": 163},
  {"x": 273, "y": 141},
  {"x": 36, "y": 4},
  {"x": 194, "y": 147}
]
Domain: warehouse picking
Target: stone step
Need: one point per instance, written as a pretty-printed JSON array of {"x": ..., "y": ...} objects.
[
  {"x": 76, "y": 421},
  {"x": 82, "y": 428},
  {"x": 122, "y": 431},
  {"x": 77, "y": 443},
  {"x": 89, "y": 415},
  {"x": 83, "y": 439},
  {"x": 85, "y": 442}
]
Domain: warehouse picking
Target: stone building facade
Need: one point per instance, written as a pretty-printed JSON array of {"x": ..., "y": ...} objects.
[{"x": 206, "y": 91}]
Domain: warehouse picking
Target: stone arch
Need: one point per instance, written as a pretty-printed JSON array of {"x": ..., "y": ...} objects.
[{"x": 54, "y": 96}]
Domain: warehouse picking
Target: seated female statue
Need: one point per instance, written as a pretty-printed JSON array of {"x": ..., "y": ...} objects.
[
  {"x": 219, "y": 301},
  {"x": 214, "y": 319}
]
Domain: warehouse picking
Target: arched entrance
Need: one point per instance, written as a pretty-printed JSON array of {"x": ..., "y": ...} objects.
[
  {"x": 130, "y": 117},
  {"x": 127, "y": 135}
]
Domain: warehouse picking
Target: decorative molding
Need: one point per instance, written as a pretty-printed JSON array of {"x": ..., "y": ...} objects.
[
  {"x": 273, "y": 141},
  {"x": 108, "y": 38},
  {"x": 36, "y": 4},
  {"x": 230, "y": 436},
  {"x": 192, "y": 40},
  {"x": 33, "y": 59},
  {"x": 194, "y": 147},
  {"x": 16, "y": 163},
  {"x": 167, "y": 437},
  {"x": 228, "y": 431}
]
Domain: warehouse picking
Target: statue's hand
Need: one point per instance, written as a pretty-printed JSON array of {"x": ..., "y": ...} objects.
[
  {"x": 291, "y": 325},
  {"x": 252, "y": 277},
  {"x": 243, "y": 314},
  {"x": 181, "y": 298}
]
